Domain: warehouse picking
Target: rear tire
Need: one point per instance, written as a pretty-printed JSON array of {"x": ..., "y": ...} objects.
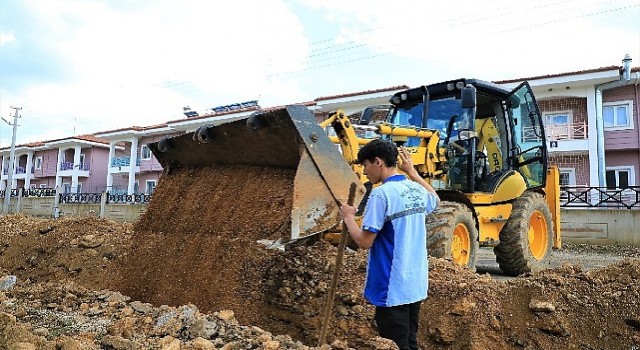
[
  {"x": 527, "y": 237},
  {"x": 452, "y": 234}
]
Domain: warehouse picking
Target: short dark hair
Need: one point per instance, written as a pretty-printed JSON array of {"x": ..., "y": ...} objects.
[{"x": 383, "y": 149}]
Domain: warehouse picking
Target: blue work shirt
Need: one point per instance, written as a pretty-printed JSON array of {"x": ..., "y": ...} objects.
[{"x": 397, "y": 267}]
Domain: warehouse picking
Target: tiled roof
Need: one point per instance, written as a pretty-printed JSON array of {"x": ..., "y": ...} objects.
[
  {"x": 86, "y": 137},
  {"x": 90, "y": 138},
  {"x": 275, "y": 108},
  {"x": 587, "y": 71},
  {"x": 215, "y": 114},
  {"x": 129, "y": 128},
  {"x": 399, "y": 87}
]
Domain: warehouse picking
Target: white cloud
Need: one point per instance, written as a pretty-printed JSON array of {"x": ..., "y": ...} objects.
[
  {"x": 6, "y": 39},
  {"x": 140, "y": 66},
  {"x": 122, "y": 63},
  {"x": 492, "y": 39}
]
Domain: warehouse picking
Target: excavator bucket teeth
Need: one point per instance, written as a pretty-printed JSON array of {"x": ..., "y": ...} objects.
[{"x": 287, "y": 138}]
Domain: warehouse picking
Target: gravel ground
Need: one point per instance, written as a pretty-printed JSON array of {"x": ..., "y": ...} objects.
[{"x": 588, "y": 256}]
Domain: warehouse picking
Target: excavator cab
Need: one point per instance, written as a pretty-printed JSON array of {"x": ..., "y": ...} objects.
[
  {"x": 484, "y": 131},
  {"x": 486, "y": 156}
]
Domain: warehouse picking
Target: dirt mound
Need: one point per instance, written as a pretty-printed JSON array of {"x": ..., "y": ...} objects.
[
  {"x": 233, "y": 201},
  {"x": 192, "y": 276},
  {"x": 82, "y": 248}
]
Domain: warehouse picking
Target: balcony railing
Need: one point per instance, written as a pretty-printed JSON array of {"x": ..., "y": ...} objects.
[
  {"x": 70, "y": 166},
  {"x": 19, "y": 170},
  {"x": 39, "y": 192},
  {"x": 561, "y": 132},
  {"x": 123, "y": 161}
]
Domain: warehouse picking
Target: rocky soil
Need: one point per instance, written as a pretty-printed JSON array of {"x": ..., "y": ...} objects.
[{"x": 175, "y": 281}]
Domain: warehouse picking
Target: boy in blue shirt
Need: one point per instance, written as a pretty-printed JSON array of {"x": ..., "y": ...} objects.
[{"x": 393, "y": 228}]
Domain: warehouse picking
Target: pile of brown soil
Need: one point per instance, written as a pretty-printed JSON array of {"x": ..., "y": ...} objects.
[{"x": 197, "y": 253}]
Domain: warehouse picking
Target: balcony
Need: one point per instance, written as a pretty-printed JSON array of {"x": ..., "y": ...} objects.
[
  {"x": 557, "y": 132},
  {"x": 71, "y": 166},
  {"x": 123, "y": 161},
  {"x": 20, "y": 170}
]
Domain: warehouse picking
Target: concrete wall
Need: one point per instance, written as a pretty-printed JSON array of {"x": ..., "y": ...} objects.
[
  {"x": 117, "y": 212},
  {"x": 594, "y": 226},
  {"x": 601, "y": 226},
  {"x": 43, "y": 207}
]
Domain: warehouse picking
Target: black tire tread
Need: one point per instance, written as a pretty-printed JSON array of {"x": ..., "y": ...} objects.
[
  {"x": 512, "y": 253},
  {"x": 440, "y": 225}
]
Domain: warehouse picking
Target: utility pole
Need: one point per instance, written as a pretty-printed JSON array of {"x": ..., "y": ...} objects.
[{"x": 12, "y": 158}]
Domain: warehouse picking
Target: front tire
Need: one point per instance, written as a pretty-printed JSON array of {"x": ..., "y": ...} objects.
[
  {"x": 527, "y": 237},
  {"x": 452, "y": 234}
]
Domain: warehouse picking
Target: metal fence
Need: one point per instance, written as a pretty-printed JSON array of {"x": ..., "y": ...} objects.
[
  {"x": 139, "y": 198},
  {"x": 600, "y": 197},
  {"x": 570, "y": 197},
  {"x": 111, "y": 198}
]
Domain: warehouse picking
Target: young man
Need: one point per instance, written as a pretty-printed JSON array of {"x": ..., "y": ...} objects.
[{"x": 393, "y": 228}]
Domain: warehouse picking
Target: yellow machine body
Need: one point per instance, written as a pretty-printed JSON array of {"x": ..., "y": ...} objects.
[{"x": 489, "y": 182}]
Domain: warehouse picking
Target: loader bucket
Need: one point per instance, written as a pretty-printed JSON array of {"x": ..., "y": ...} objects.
[{"x": 283, "y": 138}]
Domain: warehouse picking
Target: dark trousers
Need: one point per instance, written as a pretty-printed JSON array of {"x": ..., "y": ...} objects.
[{"x": 400, "y": 324}]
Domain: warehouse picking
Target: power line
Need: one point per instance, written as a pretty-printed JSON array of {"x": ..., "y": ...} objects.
[
  {"x": 451, "y": 21},
  {"x": 533, "y": 25}
]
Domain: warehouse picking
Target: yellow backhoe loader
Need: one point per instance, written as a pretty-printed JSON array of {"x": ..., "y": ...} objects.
[{"x": 482, "y": 147}]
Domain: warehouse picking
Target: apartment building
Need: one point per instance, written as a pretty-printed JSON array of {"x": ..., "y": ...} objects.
[
  {"x": 74, "y": 164},
  {"x": 133, "y": 169},
  {"x": 591, "y": 124}
]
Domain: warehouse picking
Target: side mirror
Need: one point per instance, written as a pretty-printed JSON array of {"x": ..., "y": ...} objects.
[
  {"x": 468, "y": 97},
  {"x": 366, "y": 116}
]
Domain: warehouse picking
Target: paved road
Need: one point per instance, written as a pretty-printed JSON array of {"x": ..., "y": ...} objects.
[{"x": 588, "y": 257}]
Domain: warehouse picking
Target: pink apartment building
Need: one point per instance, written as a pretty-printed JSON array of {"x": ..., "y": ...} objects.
[
  {"x": 75, "y": 164},
  {"x": 591, "y": 123}
]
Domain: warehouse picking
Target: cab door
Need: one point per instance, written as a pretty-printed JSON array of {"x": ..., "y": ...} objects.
[{"x": 529, "y": 147}]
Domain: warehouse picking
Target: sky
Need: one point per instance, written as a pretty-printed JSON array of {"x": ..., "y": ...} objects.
[{"x": 85, "y": 66}]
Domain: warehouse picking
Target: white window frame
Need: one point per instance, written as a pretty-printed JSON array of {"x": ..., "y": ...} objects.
[
  {"x": 628, "y": 168},
  {"x": 79, "y": 188},
  {"x": 572, "y": 175},
  {"x": 558, "y": 131},
  {"x": 629, "y": 105},
  {"x": 38, "y": 163},
  {"x": 548, "y": 115},
  {"x": 82, "y": 157},
  {"x": 65, "y": 186},
  {"x": 146, "y": 188},
  {"x": 142, "y": 152}
]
